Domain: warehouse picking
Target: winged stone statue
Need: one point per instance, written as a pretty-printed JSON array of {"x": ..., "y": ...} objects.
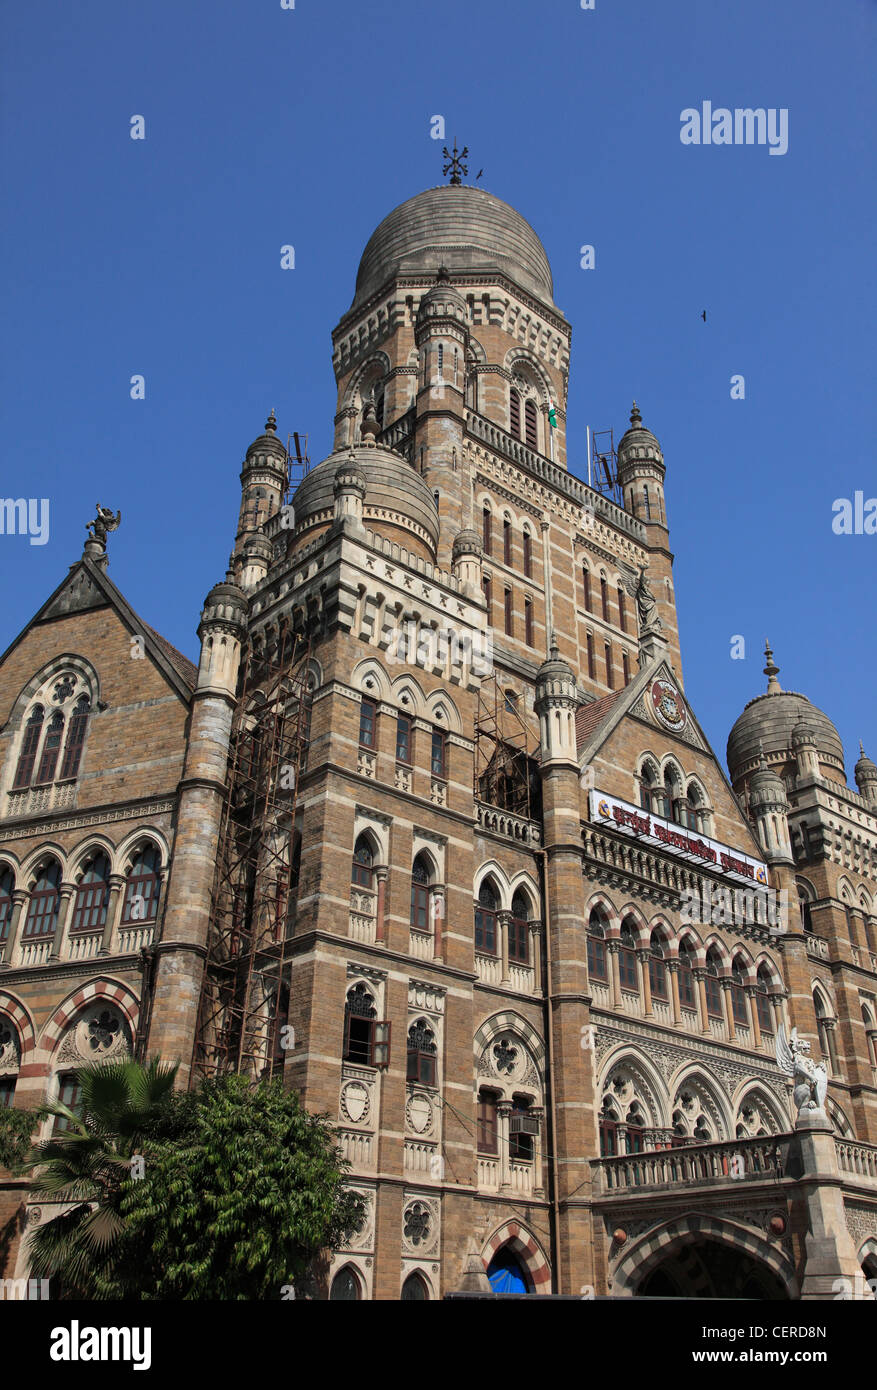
[
  {"x": 810, "y": 1078},
  {"x": 103, "y": 522}
]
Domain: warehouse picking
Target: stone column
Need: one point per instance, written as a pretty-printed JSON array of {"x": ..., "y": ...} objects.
[
  {"x": 613, "y": 947},
  {"x": 673, "y": 968},
  {"x": 701, "y": 999},
  {"x": 117, "y": 882},
  {"x": 437, "y": 913},
  {"x": 538, "y": 1187},
  {"x": 503, "y": 1111},
  {"x": 643, "y": 958},
  {"x": 381, "y": 874},
  {"x": 66, "y": 898},
  {"x": 830, "y": 1255},
  {"x": 536, "y": 953},
  {"x": 753, "y": 1014},
  {"x": 729, "y": 1010},
  {"x": 502, "y": 922},
  {"x": 19, "y": 898}
]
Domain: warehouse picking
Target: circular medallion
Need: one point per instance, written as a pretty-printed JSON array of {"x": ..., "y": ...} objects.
[{"x": 668, "y": 705}]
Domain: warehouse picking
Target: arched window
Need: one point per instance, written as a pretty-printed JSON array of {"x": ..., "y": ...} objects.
[
  {"x": 508, "y": 613},
  {"x": 528, "y": 553},
  {"x": 592, "y": 660},
  {"x": 441, "y": 360},
  {"x": 92, "y": 896},
  {"x": 488, "y": 599},
  {"x": 672, "y": 800},
  {"x": 75, "y": 739},
  {"x": 608, "y": 1129},
  {"x": 739, "y": 1011},
  {"x": 713, "y": 984},
  {"x": 51, "y": 749},
  {"x": 607, "y": 653},
  {"x": 597, "y": 945},
  {"x": 420, "y": 877},
  {"x": 662, "y": 804},
  {"x": 522, "y": 1128},
  {"x": 142, "y": 887},
  {"x": 345, "y": 1286},
  {"x": 826, "y": 1038},
  {"x": 30, "y": 744},
  {"x": 506, "y": 541},
  {"x": 363, "y": 863},
  {"x": 414, "y": 1289},
  {"x": 627, "y": 972},
  {"x": 634, "y": 1141},
  {"x": 531, "y": 432},
  {"x": 528, "y": 622},
  {"x": 366, "y": 1041},
  {"x": 519, "y": 929},
  {"x": 657, "y": 966},
  {"x": 506, "y": 1274},
  {"x": 514, "y": 413},
  {"x": 625, "y": 668},
  {"x": 647, "y": 786},
  {"x": 422, "y": 1052},
  {"x": 604, "y": 598},
  {"x": 870, "y": 1034},
  {"x": 622, "y": 616},
  {"x": 486, "y": 531},
  {"x": 485, "y": 919},
  {"x": 488, "y": 1140},
  {"x": 851, "y": 930},
  {"x": 42, "y": 906},
  {"x": 687, "y": 990},
  {"x": 69, "y": 1094},
  {"x": 762, "y": 1000},
  {"x": 7, "y": 883},
  {"x": 694, "y": 817},
  {"x": 804, "y": 906},
  {"x": 586, "y": 587}
]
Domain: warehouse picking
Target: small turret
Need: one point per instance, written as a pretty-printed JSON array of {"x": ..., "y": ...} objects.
[
  {"x": 769, "y": 808},
  {"x": 467, "y": 559},
  {"x": 555, "y": 704},
  {"x": 264, "y": 478},
  {"x": 865, "y": 773},
  {"x": 349, "y": 485}
]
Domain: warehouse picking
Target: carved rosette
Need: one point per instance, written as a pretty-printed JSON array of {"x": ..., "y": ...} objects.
[
  {"x": 420, "y": 1225},
  {"x": 99, "y": 1034}
]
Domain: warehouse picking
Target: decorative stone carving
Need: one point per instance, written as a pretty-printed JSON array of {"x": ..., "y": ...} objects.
[
  {"x": 419, "y": 1113},
  {"x": 355, "y": 1102},
  {"x": 420, "y": 1225},
  {"x": 10, "y": 1057},
  {"x": 425, "y": 997},
  {"x": 99, "y": 1034}
]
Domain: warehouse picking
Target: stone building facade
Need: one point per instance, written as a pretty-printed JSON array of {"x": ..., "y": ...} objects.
[{"x": 541, "y": 946}]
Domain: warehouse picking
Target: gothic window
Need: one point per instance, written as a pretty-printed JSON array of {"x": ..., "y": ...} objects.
[
  {"x": 366, "y": 1040},
  {"x": 519, "y": 929},
  {"x": 345, "y": 1286},
  {"x": 627, "y": 972},
  {"x": 647, "y": 780},
  {"x": 607, "y": 652},
  {"x": 42, "y": 906},
  {"x": 608, "y": 1129},
  {"x": 586, "y": 587},
  {"x": 488, "y": 1142},
  {"x": 486, "y": 531},
  {"x": 528, "y": 553},
  {"x": 7, "y": 883},
  {"x": 414, "y": 1287},
  {"x": 506, "y": 541},
  {"x": 851, "y": 930},
  {"x": 142, "y": 887},
  {"x": 531, "y": 432},
  {"x": 597, "y": 945},
  {"x": 657, "y": 967},
  {"x": 92, "y": 896},
  {"x": 403, "y": 738},
  {"x": 528, "y": 622},
  {"x": 672, "y": 800},
  {"x": 687, "y": 992},
  {"x": 420, "y": 876},
  {"x": 508, "y": 613},
  {"x": 826, "y": 1040},
  {"x": 520, "y": 1142},
  {"x": 75, "y": 739},
  {"x": 622, "y": 616},
  {"x": 762, "y": 1000},
  {"x": 694, "y": 817},
  {"x": 804, "y": 907},
  {"x": 592, "y": 662},
  {"x": 441, "y": 360},
  {"x": 367, "y": 717},
  {"x": 634, "y": 1141},
  {"x": 69, "y": 1094},
  {"x": 514, "y": 413},
  {"x": 485, "y": 584},
  {"x": 625, "y": 667},
  {"x": 713, "y": 984},
  {"x": 422, "y": 1052},
  {"x": 647, "y": 509},
  {"x": 604, "y": 598},
  {"x": 27, "y": 758},
  {"x": 438, "y": 754},
  {"x": 739, "y": 1011},
  {"x": 870, "y": 1035},
  {"x": 363, "y": 863},
  {"x": 485, "y": 919},
  {"x": 51, "y": 748}
]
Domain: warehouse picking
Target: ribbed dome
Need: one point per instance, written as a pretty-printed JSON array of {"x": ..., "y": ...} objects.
[
  {"x": 638, "y": 442},
  {"x": 466, "y": 229},
  {"x": 769, "y": 722},
  {"x": 395, "y": 495},
  {"x": 267, "y": 443}
]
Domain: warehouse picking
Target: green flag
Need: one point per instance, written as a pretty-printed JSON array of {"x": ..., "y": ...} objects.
[{"x": 552, "y": 415}]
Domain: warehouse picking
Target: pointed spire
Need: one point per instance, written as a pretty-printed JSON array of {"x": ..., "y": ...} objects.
[
  {"x": 271, "y": 423},
  {"x": 762, "y": 760},
  {"x": 635, "y": 418},
  {"x": 861, "y": 749},
  {"x": 771, "y": 670},
  {"x": 553, "y": 648}
]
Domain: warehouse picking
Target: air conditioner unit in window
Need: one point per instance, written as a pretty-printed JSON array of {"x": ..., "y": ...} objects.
[{"x": 523, "y": 1124}]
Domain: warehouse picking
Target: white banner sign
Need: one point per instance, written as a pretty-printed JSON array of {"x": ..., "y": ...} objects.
[{"x": 688, "y": 844}]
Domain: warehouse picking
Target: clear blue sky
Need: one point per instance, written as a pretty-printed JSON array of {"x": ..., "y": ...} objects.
[{"x": 266, "y": 126}]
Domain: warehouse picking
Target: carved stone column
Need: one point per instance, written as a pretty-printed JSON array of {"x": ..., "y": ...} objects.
[
  {"x": 437, "y": 900},
  {"x": 502, "y": 922},
  {"x": 538, "y": 1114},
  {"x": 645, "y": 979},
  {"x": 66, "y": 898},
  {"x": 117, "y": 883},
  {"x": 699, "y": 976},
  {"x": 673, "y": 968},
  {"x": 19, "y": 898},
  {"x": 613, "y": 948},
  {"x": 503, "y": 1111},
  {"x": 753, "y": 1014},
  {"x": 728, "y": 1007},
  {"x": 536, "y": 953},
  {"x": 381, "y": 875}
]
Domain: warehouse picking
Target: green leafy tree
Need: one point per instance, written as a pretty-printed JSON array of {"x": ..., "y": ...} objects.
[
  {"x": 239, "y": 1205},
  {"x": 16, "y": 1128},
  {"x": 86, "y": 1164}
]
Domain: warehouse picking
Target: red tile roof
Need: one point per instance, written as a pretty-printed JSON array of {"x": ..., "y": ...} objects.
[
  {"x": 589, "y": 717},
  {"x": 181, "y": 664}
]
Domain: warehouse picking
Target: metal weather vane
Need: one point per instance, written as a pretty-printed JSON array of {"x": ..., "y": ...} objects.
[{"x": 455, "y": 163}]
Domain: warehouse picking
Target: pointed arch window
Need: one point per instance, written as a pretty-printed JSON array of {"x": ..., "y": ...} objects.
[
  {"x": 604, "y": 598},
  {"x": 625, "y": 667},
  {"x": 586, "y": 587},
  {"x": 42, "y": 905},
  {"x": 486, "y": 530},
  {"x": 414, "y": 1288},
  {"x": 514, "y": 413},
  {"x": 804, "y": 906},
  {"x": 627, "y": 971},
  {"x": 531, "y": 429},
  {"x": 528, "y": 622},
  {"x": 739, "y": 1011},
  {"x": 634, "y": 1140},
  {"x": 345, "y": 1287},
  {"x": 422, "y": 1051},
  {"x": 657, "y": 967},
  {"x": 597, "y": 968},
  {"x": 75, "y": 739},
  {"x": 622, "y": 614},
  {"x": 92, "y": 896},
  {"x": 607, "y": 652},
  {"x": 420, "y": 878},
  {"x": 762, "y": 1000},
  {"x": 519, "y": 929},
  {"x": 528, "y": 553},
  {"x": 51, "y": 749},
  {"x": 506, "y": 541},
  {"x": 362, "y": 872},
  {"x": 647, "y": 786},
  {"x": 713, "y": 984},
  {"x": 488, "y": 1141},
  {"x": 485, "y": 919},
  {"x": 687, "y": 993},
  {"x": 142, "y": 887},
  {"x": 7, "y": 883},
  {"x": 694, "y": 813},
  {"x": 592, "y": 661},
  {"x": 608, "y": 1129},
  {"x": 32, "y": 731},
  {"x": 366, "y": 1040}
]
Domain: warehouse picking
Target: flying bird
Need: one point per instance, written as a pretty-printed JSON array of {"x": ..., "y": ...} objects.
[
  {"x": 478, "y": 175},
  {"x": 703, "y": 315}
]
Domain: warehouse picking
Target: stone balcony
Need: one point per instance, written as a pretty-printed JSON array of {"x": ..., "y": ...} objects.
[
  {"x": 736, "y": 1161},
  {"x": 510, "y": 826}
]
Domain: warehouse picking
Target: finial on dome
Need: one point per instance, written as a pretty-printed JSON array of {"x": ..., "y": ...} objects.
[
  {"x": 635, "y": 418},
  {"x": 271, "y": 423},
  {"x": 762, "y": 760},
  {"x": 369, "y": 429},
  {"x": 861, "y": 749},
  {"x": 442, "y": 276},
  {"x": 454, "y": 163},
  {"x": 771, "y": 670},
  {"x": 553, "y": 648}
]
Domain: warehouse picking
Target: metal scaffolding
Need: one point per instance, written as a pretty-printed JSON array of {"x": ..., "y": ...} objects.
[
  {"x": 506, "y": 751},
  {"x": 245, "y": 994}
]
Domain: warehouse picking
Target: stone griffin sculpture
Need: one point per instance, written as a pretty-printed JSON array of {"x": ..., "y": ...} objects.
[
  {"x": 103, "y": 522},
  {"x": 810, "y": 1078}
]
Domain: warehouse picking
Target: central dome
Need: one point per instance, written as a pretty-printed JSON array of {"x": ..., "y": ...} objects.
[{"x": 466, "y": 229}]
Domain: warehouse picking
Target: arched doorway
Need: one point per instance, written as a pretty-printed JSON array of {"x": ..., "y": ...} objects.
[
  {"x": 710, "y": 1269},
  {"x": 507, "y": 1274}
]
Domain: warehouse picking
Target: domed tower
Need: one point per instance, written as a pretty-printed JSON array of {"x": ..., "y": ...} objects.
[
  {"x": 641, "y": 471},
  {"x": 263, "y": 483},
  {"x": 865, "y": 773},
  {"x": 182, "y": 948},
  {"x": 768, "y": 808}
]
